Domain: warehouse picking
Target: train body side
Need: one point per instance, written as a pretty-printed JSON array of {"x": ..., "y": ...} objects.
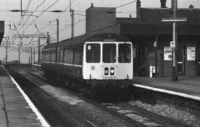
[{"x": 69, "y": 61}]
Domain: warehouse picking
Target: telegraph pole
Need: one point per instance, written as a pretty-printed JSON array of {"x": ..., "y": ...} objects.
[
  {"x": 57, "y": 22},
  {"x": 156, "y": 55},
  {"x": 72, "y": 20},
  {"x": 31, "y": 56},
  {"x": 21, "y": 7},
  {"x": 19, "y": 50},
  {"x": 38, "y": 50},
  {"x": 6, "y": 52},
  {"x": 34, "y": 55}
]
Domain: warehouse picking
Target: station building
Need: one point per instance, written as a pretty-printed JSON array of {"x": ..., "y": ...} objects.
[{"x": 148, "y": 28}]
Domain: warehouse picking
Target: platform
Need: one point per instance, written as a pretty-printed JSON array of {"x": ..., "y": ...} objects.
[
  {"x": 15, "y": 111},
  {"x": 188, "y": 87}
]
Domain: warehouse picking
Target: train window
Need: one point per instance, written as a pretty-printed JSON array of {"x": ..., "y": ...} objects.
[
  {"x": 93, "y": 53},
  {"x": 53, "y": 56},
  {"x": 48, "y": 57},
  {"x": 124, "y": 53},
  {"x": 66, "y": 56},
  {"x": 109, "y": 53}
]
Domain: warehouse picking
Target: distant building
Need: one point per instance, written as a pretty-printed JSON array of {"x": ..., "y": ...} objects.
[{"x": 147, "y": 28}]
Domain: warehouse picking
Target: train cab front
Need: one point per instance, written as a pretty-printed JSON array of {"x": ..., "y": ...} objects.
[{"x": 109, "y": 62}]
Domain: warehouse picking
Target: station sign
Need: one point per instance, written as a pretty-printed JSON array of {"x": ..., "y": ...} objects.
[
  {"x": 191, "y": 53},
  {"x": 167, "y": 53},
  {"x": 155, "y": 44},
  {"x": 172, "y": 44},
  {"x": 180, "y": 19}
]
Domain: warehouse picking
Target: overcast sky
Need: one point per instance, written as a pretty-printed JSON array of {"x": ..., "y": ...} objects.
[{"x": 46, "y": 22}]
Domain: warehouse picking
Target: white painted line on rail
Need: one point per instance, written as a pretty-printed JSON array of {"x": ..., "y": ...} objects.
[
  {"x": 91, "y": 123},
  {"x": 30, "y": 103},
  {"x": 168, "y": 91},
  {"x": 38, "y": 65}
]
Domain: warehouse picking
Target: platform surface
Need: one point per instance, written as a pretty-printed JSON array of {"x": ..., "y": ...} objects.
[
  {"x": 14, "y": 110},
  {"x": 185, "y": 85}
]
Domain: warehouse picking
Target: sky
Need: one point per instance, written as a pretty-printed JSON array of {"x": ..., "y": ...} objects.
[{"x": 46, "y": 22}]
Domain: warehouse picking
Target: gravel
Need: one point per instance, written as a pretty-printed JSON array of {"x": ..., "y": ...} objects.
[
  {"x": 170, "y": 112},
  {"x": 90, "y": 111}
]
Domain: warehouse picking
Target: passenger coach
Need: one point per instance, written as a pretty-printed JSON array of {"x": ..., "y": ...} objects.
[{"x": 102, "y": 59}]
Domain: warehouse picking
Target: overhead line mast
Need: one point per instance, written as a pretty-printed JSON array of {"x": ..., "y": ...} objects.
[{"x": 72, "y": 19}]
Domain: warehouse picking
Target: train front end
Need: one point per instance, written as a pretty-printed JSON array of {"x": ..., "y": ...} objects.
[{"x": 108, "y": 62}]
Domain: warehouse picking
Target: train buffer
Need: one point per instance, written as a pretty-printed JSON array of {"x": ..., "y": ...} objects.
[
  {"x": 186, "y": 87},
  {"x": 16, "y": 110}
]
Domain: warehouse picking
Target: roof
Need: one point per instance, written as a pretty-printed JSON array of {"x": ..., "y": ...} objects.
[
  {"x": 127, "y": 20},
  {"x": 151, "y": 23},
  {"x": 87, "y": 37},
  {"x": 155, "y": 15},
  {"x": 161, "y": 29}
]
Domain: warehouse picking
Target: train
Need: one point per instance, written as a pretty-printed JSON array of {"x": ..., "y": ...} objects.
[{"x": 103, "y": 62}]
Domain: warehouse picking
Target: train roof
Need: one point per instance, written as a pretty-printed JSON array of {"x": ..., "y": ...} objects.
[{"x": 87, "y": 37}]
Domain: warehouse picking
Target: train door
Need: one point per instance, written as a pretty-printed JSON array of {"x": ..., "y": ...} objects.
[{"x": 181, "y": 61}]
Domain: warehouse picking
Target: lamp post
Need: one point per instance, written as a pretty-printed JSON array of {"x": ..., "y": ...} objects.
[
  {"x": 173, "y": 43},
  {"x": 155, "y": 45},
  {"x": 174, "y": 63}
]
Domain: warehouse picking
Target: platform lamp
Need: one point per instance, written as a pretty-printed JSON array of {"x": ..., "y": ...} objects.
[
  {"x": 155, "y": 45},
  {"x": 173, "y": 44}
]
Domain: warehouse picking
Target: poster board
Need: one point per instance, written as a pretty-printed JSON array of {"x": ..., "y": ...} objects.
[
  {"x": 167, "y": 54},
  {"x": 191, "y": 53}
]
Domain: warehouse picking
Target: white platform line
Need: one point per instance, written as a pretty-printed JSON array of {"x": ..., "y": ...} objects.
[
  {"x": 30, "y": 103},
  {"x": 168, "y": 91}
]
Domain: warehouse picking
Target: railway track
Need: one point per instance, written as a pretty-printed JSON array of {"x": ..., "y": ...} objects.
[
  {"x": 125, "y": 112},
  {"x": 66, "y": 109}
]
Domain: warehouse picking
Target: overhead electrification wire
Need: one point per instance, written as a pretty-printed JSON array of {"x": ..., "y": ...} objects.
[
  {"x": 40, "y": 15},
  {"x": 85, "y": 19},
  {"x": 111, "y": 9},
  {"x": 70, "y": 25},
  {"x": 27, "y": 7},
  {"x": 122, "y": 5},
  {"x": 33, "y": 12},
  {"x": 65, "y": 10},
  {"x": 16, "y": 28}
]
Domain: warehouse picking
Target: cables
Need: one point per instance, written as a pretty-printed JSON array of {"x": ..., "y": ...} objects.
[
  {"x": 33, "y": 12},
  {"x": 59, "y": 16},
  {"x": 122, "y": 5},
  {"x": 40, "y": 15},
  {"x": 65, "y": 9}
]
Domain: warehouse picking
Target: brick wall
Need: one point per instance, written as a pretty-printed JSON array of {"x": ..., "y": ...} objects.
[{"x": 99, "y": 18}]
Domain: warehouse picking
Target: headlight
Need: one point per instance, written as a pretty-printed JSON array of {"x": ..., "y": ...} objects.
[
  {"x": 106, "y": 71},
  {"x": 112, "y": 71}
]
